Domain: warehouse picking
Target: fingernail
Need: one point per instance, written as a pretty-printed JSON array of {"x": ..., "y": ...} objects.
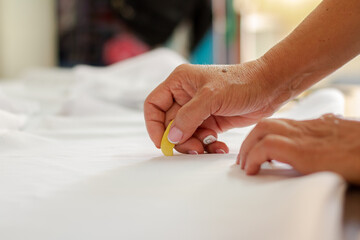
[
  {"x": 209, "y": 139},
  {"x": 220, "y": 151},
  {"x": 193, "y": 152},
  {"x": 175, "y": 135}
]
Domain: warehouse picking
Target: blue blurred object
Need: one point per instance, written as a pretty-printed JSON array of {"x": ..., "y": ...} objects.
[{"x": 203, "y": 53}]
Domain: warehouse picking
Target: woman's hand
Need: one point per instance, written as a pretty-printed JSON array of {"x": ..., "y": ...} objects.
[
  {"x": 206, "y": 100},
  {"x": 329, "y": 143}
]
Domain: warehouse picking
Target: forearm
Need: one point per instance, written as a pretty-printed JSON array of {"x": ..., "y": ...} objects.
[{"x": 327, "y": 39}]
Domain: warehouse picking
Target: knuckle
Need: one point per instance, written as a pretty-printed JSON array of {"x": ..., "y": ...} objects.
[
  {"x": 328, "y": 115},
  {"x": 268, "y": 142},
  {"x": 179, "y": 75},
  {"x": 182, "y": 67},
  {"x": 330, "y": 119},
  {"x": 208, "y": 91},
  {"x": 298, "y": 147},
  {"x": 147, "y": 102},
  {"x": 263, "y": 124}
]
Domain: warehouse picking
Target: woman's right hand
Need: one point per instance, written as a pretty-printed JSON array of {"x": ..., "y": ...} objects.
[
  {"x": 206, "y": 100},
  {"x": 206, "y": 97}
]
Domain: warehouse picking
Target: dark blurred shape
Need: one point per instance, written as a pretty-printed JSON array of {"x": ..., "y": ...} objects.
[
  {"x": 154, "y": 21},
  {"x": 84, "y": 28},
  {"x": 99, "y": 32}
]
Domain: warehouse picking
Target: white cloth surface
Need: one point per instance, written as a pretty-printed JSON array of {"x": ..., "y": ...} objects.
[
  {"x": 127, "y": 82},
  {"x": 83, "y": 167}
]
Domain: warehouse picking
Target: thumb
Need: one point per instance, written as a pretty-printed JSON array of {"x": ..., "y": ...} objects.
[{"x": 190, "y": 116}]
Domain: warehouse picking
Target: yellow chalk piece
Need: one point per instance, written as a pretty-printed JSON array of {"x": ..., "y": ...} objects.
[{"x": 166, "y": 146}]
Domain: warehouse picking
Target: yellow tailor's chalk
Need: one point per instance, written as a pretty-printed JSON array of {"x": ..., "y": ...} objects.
[{"x": 166, "y": 146}]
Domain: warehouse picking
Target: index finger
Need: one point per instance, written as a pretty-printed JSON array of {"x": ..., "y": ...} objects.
[{"x": 156, "y": 104}]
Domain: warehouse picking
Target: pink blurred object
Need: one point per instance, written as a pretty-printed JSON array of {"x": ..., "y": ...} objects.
[{"x": 122, "y": 47}]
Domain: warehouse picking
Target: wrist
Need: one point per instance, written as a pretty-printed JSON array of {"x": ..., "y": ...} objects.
[
  {"x": 276, "y": 80},
  {"x": 288, "y": 72}
]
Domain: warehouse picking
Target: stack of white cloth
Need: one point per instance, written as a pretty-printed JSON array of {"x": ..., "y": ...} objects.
[{"x": 76, "y": 163}]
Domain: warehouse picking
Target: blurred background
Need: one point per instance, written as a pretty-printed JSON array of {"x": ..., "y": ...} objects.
[{"x": 65, "y": 33}]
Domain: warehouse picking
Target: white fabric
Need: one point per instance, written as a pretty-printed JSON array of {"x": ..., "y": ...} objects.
[
  {"x": 83, "y": 167},
  {"x": 128, "y": 82}
]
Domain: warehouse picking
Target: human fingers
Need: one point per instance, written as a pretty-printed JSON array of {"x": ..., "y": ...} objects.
[
  {"x": 271, "y": 147},
  {"x": 222, "y": 124},
  {"x": 264, "y": 127},
  {"x": 195, "y": 146},
  {"x": 208, "y": 137},
  {"x": 191, "y": 146},
  {"x": 155, "y": 107},
  {"x": 177, "y": 90},
  {"x": 191, "y": 116},
  {"x": 171, "y": 113},
  {"x": 217, "y": 147},
  {"x": 204, "y": 136}
]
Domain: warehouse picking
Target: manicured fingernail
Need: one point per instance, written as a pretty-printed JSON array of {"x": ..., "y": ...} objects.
[
  {"x": 220, "y": 151},
  {"x": 175, "y": 135},
  {"x": 193, "y": 152},
  {"x": 209, "y": 139}
]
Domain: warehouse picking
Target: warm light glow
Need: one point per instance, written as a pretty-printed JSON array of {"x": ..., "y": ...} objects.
[
  {"x": 290, "y": 12},
  {"x": 265, "y": 22}
]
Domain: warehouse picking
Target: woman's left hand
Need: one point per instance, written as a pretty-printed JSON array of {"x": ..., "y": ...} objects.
[{"x": 329, "y": 143}]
